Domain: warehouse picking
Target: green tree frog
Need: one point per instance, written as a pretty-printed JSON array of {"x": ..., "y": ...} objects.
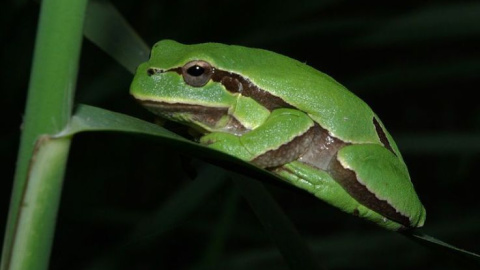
[{"x": 287, "y": 117}]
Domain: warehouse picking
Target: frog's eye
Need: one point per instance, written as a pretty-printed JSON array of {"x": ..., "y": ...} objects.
[{"x": 197, "y": 73}]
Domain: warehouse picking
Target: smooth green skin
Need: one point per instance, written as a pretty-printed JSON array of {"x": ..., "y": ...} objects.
[{"x": 315, "y": 96}]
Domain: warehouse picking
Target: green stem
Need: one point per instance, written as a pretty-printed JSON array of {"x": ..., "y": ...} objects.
[
  {"x": 36, "y": 222},
  {"x": 48, "y": 110}
]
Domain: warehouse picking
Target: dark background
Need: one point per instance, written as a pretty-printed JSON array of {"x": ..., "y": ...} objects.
[{"x": 416, "y": 63}]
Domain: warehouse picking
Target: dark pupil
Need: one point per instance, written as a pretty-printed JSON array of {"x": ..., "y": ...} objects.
[{"x": 196, "y": 71}]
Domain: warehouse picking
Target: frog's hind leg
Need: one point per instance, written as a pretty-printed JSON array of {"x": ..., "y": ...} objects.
[
  {"x": 324, "y": 187},
  {"x": 378, "y": 179}
]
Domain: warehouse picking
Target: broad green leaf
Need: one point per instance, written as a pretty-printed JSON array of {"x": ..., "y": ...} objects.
[{"x": 287, "y": 239}]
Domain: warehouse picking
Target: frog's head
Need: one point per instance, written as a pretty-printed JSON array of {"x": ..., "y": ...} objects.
[{"x": 181, "y": 83}]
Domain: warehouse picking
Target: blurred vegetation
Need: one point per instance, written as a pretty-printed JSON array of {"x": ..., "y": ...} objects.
[{"x": 416, "y": 64}]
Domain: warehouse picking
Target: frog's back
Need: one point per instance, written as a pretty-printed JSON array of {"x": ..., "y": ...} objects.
[{"x": 329, "y": 103}]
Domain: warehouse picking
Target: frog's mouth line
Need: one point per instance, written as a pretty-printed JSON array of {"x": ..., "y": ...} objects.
[
  {"x": 209, "y": 118},
  {"x": 181, "y": 107}
]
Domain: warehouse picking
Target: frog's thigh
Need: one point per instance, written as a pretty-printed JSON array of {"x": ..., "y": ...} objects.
[{"x": 378, "y": 179}]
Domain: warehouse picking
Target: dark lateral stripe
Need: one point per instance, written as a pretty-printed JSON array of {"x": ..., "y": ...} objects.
[
  {"x": 237, "y": 84},
  {"x": 382, "y": 136},
  {"x": 348, "y": 180}
]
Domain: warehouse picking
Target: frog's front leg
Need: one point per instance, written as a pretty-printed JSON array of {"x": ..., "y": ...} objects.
[{"x": 284, "y": 136}]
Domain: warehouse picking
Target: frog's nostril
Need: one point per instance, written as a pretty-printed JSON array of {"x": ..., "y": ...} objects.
[{"x": 153, "y": 71}]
